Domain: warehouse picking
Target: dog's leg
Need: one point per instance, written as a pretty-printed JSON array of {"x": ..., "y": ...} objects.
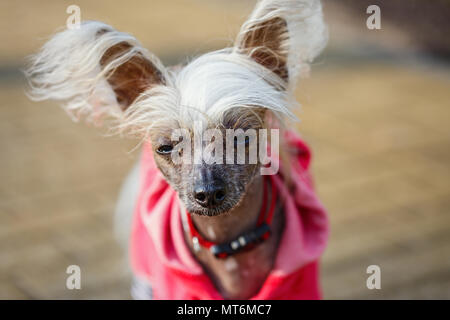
[
  {"x": 141, "y": 289},
  {"x": 125, "y": 205}
]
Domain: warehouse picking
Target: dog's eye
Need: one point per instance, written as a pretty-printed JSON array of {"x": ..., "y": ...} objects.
[
  {"x": 246, "y": 141},
  {"x": 164, "y": 149}
]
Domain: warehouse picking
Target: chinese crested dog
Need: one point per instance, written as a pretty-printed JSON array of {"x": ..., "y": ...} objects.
[{"x": 213, "y": 214}]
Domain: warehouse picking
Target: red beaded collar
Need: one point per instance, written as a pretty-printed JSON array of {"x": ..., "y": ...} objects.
[{"x": 245, "y": 241}]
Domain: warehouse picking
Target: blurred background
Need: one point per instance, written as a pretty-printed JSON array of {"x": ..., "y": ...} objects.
[{"x": 375, "y": 111}]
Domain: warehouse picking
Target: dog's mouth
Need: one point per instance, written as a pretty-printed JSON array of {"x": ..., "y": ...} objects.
[
  {"x": 213, "y": 211},
  {"x": 226, "y": 206},
  {"x": 232, "y": 201}
]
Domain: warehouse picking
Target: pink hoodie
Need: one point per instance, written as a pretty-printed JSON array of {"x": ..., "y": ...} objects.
[{"x": 159, "y": 252}]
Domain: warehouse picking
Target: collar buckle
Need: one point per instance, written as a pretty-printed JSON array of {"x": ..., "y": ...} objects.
[{"x": 244, "y": 242}]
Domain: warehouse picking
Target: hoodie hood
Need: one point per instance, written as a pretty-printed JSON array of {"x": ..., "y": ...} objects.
[{"x": 159, "y": 253}]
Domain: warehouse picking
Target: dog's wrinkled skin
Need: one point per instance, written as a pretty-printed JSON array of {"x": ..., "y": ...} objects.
[
  {"x": 184, "y": 177},
  {"x": 101, "y": 73}
]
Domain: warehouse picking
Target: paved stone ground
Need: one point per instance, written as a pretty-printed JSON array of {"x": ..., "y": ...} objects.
[{"x": 381, "y": 142}]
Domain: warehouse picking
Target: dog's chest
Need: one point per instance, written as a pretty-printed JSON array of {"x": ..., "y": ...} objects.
[{"x": 240, "y": 276}]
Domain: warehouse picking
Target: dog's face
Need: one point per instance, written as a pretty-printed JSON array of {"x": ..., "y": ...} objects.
[
  {"x": 101, "y": 72},
  {"x": 209, "y": 92},
  {"x": 209, "y": 188}
]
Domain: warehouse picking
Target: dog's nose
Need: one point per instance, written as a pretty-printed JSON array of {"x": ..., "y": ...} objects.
[{"x": 210, "y": 195}]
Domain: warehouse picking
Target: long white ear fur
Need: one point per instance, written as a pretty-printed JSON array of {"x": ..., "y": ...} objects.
[
  {"x": 304, "y": 37},
  {"x": 71, "y": 67}
]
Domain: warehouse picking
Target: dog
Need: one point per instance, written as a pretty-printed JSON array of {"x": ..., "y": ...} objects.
[{"x": 205, "y": 229}]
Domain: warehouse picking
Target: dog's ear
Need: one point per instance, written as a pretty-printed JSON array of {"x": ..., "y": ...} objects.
[
  {"x": 283, "y": 35},
  {"x": 96, "y": 70}
]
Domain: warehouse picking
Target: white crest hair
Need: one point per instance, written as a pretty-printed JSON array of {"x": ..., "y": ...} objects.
[{"x": 68, "y": 69}]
